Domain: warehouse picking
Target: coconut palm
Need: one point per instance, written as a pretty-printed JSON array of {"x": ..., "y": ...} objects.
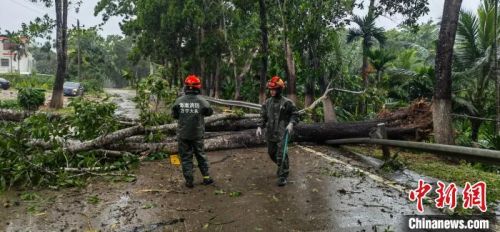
[{"x": 474, "y": 56}]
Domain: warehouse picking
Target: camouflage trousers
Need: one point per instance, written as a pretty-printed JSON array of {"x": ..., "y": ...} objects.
[
  {"x": 275, "y": 151},
  {"x": 188, "y": 148}
]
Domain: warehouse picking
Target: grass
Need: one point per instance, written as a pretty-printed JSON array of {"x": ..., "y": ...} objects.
[
  {"x": 9, "y": 104},
  {"x": 62, "y": 111},
  {"x": 34, "y": 81},
  {"x": 94, "y": 200},
  {"x": 458, "y": 172}
]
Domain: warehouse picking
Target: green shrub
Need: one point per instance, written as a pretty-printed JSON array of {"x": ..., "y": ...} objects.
[
  {"x": 463, "y": 136},
  {"x": 92, "y": 85},
  {"x": 492, "y": 141},
  {"x": 30, "y": 98}
]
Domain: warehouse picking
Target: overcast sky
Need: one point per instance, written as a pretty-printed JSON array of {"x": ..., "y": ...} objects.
[
  {"x": 436, "y": 10},
  {"x": 15, "y": 12}
]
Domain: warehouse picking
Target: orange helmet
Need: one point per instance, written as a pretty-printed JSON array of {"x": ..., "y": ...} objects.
[
  {"x": 193, "y": 82},
  {"x": 275, "y": 83}
]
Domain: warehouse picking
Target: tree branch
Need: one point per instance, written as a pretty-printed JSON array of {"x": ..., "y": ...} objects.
[{"x": 315, "y": 103}]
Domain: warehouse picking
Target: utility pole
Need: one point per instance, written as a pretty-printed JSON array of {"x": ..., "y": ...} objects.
[{"x": 78, "y": 41}]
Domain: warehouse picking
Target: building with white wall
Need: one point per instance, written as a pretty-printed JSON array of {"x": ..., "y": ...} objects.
[{"x": 15, "y": 58}]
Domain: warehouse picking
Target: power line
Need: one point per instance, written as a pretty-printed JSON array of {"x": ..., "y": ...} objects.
[
  {"x": 38, "y": 11},
  {"x": 28, "y": 7}
]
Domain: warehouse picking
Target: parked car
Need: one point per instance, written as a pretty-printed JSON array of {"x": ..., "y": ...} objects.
[
  {"x": 4, "y": 84},
  {"x": 73, "y": 89}
]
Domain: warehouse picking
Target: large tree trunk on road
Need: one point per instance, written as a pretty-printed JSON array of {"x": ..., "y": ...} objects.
[
  {"x": 226, "y": 141},
  {"x": 12, "y": 115},
  {"x": 318, "y": 133},
  {"x": 127, "y": 139}
]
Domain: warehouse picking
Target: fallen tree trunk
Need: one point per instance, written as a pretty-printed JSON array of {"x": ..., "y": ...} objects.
[
  {"x": 234, "y": 125},
  {"x": 128, "y": 139},
  {"x": 215, "y": 142},
  {"x": 318, "y": 133},
  {"x": 74, "y": 146},
  {"x": 12, "y": 115},
  {"x": 19, "y": 116},
  {"x": 407, "y": 123},
  {"x": 142, "y": 138}
]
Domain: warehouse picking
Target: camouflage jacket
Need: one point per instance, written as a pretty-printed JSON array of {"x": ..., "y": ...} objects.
[
  {"x": 190, "y": 111},
  {"x": 276, "y": 113}
]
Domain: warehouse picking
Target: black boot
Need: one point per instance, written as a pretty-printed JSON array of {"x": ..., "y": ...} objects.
[
  {"x": 282, "y": 181},
  {"x": 207, "y": 180}
]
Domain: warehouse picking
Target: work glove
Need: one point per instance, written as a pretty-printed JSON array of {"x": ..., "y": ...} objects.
[
  {"x": 258, "y": 132},
  {"x": 289, "y": 128}
]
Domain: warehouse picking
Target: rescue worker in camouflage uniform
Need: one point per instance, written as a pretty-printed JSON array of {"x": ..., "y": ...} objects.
[
  {"x": 278, "y": 114},
  {"x": 190, "y": 110}
]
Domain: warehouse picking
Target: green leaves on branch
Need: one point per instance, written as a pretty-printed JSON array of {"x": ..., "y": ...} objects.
[
  {"x": 92, "y": 118},
  {"x": 154, "y": 97},
  {"x": 23, "y": 165}
]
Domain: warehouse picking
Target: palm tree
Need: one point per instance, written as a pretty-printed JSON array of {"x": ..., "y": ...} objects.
[
  {"x": 20, "y": 51},
  {"x": 474, "y": 62},
  {"x": 379, "y": 59},
  {"x": 369, "y": 34}
]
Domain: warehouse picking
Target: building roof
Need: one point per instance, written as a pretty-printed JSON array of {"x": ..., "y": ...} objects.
[{"x": 25, "y": 39}]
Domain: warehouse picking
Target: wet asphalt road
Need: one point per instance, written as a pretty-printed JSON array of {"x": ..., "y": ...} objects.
[
  {"x": 124, "y": 99},
  {"x": 326, "y": 192}
]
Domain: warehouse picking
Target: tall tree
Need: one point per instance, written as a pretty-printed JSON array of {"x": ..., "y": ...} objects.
[
  {"x": 495, "y": 69},
  {"x": 61, "y": 7},
  {"x": 313, "y": 32},
  {"x": 441, "y": 107},
  {"x": 289, "y": 61},
  {"x": 369, "y": 34},
  {"x": 39, "y": 27},
  {"x": 264, "y": 50}
]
